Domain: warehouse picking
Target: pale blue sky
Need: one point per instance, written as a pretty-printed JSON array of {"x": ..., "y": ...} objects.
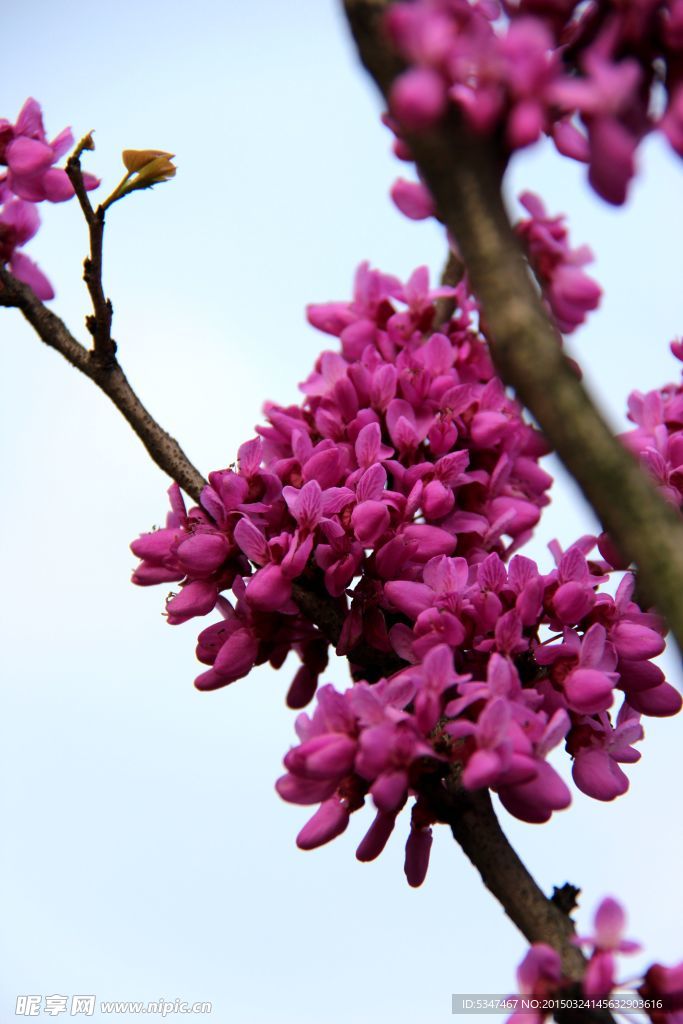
[{"x": 144, "y": 852}]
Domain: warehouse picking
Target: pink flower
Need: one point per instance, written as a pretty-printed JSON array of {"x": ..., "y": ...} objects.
[
  {"x": 418, "y": 98},
  {"x": 540, "y": 976},
  {"x": 599, "y": 748},
  {"x": 413, "y": 199},
  {"x": 664, "y": 984},
  {"x": 537, "y": 68},
  {"x": 19, "y": 222},
  {"x": 607, "y": 939},
  {"x": 29, "y": 158},
  {"x": 570, "y": 293}
]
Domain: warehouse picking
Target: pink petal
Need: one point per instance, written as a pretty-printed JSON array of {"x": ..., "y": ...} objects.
[
  {"x": 410, "y": 598},
  {"x": 658, "y": 702},
  {"x": 203, "y": 552},
  {"x": 418, "y": 98},
  {"x": 56, "y": 185},
  {"x": 389, "y": 790},
  {"x": 370, "y": 520},
  {"x": 26, "y": 157},
  {"x": 418, "y": 848},
  {"x": 251, "y": 541},
  {"x": 268, "y": 590},
  {"x": 588, "y": 690},
  {"x": 237, "y": 656},
  {"x": 24, "y": 269},
  {"x": 375, "y": 839},
  {"x": 482, "y": 769},
  {"x": 599, "y": 979},
  {"x": 598, "y": 775},
  {"x": 413, "y": 199},
  {"x": 23, "y": 217},
  {"x": 196, "y": 598},
  {"x": 303, "y": 791},
  {"x": 328, "y": 822},
  {"x": 30, "y": 120},
  {"x": 610, "y": 922}
]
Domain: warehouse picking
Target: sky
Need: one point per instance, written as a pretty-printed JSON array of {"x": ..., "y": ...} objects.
[{"x": 144, "y": 852}]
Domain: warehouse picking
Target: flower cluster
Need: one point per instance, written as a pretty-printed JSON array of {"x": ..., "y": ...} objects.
[
  {"x": 540, "y": 973},
  {"x": 657, "y": 439},
  {"x": 30, "y": 178},
  {"x": 395, "y": 498},
  {"x": 585, "y": 74},
  {"x": 568, "y": 291}
]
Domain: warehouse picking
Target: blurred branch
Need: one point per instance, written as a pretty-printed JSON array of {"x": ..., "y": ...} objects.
[
  {"x": 452, "y": 274},
  {"x": 463, "y": 172}
]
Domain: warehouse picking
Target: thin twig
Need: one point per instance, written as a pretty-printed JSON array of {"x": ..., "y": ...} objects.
[{"x": 99, "y": 324}]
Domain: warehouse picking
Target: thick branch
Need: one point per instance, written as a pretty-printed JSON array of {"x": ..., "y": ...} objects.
[
  {"x": 452, "y": 275},
  {"x": 463, "y": 173}
]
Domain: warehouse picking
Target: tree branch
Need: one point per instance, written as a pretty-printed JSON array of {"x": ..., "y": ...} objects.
[
  {"x": 464, "y": 177},
  {"x": 328, "y": 615},
  {"x": 99, "y": 324},
  {"x": 476, "y": 829},
  {"x": 463, "y": 173},
  {"x": 109, "y": 377},
  {"x": 452, "y": 274},
  {"x": 470, "y": 815}
]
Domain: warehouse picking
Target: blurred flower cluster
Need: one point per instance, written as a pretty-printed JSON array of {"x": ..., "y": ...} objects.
[
  {"x": 30, "y": 178},
  {"x": 596, "y": 76},
  {"x": 540, "y": 976}
]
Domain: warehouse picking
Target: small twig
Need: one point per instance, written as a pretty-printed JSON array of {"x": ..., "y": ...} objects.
[{"x": 99, "y": 324}]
